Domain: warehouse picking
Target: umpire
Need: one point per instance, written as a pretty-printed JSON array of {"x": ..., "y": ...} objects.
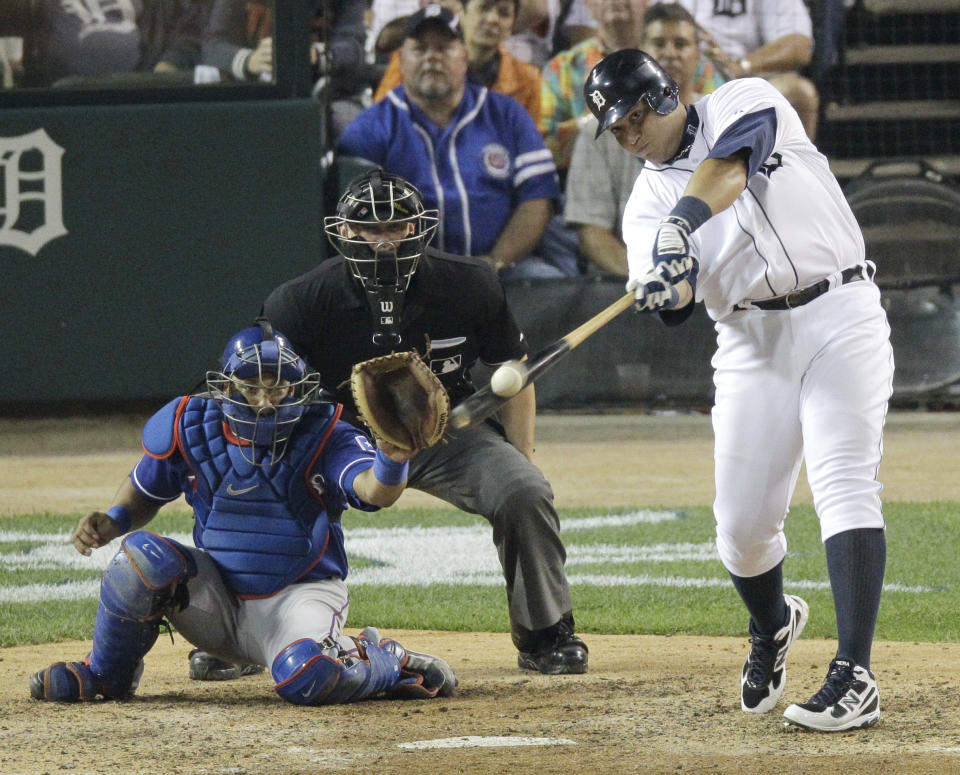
[{"x": 387, "y": 291}]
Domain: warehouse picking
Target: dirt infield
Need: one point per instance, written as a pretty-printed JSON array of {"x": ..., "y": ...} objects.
[{"x": 648, "y": 705}]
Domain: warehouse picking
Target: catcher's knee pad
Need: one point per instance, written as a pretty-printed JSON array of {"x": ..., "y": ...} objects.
[
  {"x": 311, "y": 673},
  {"x": 146, "y": 579}
]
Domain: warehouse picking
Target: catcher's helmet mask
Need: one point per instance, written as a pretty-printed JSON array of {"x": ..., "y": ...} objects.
[
  {"x": 385, "y": 267},
  {"x": 260, "y": 359},
  {"x": 619, "y": 81}
]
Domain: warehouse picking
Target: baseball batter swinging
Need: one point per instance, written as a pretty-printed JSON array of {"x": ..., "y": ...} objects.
[{"x": 736, "y": 208}]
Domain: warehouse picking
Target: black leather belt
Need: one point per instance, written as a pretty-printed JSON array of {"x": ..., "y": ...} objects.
[{"x": 803, "y": 296}]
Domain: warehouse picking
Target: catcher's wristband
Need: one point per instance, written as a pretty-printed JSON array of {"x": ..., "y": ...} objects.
[
  {"x": 389, "y": 472},
  {"x": 121, "y": 518}
]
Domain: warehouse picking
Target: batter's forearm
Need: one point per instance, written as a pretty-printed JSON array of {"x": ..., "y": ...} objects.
[{"x": 718, "y": 182}]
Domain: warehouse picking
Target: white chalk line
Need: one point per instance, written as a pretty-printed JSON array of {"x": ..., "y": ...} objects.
[
  {"x": 414, "y": 556},
  {"x": 479, "y": 741}
]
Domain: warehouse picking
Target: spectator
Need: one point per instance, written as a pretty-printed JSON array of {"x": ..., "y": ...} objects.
[
  {"x": 389, "y": 20},
  {"x": 238, "y": 41},
  {"x": 11, "y": 55},
  {"x": 769, "y": 38},
  {"x": 544, "y": 28},
  {"x": 486, "y": 24},
  {"x": 100, "y": 39},
  {"x": 474, "y": 154},
  {"x": 619, "y": 25},
  {"x": 602, "y": 173}
]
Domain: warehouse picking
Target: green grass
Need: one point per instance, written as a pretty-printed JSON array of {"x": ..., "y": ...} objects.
[{"x": 922, "y": 540}]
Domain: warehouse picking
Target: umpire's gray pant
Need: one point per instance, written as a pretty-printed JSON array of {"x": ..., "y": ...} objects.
[{"x": 479, "y": 471}]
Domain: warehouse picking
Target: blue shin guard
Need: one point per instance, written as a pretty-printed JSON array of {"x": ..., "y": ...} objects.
[
  {"x": 64, "y": 682},
  {"x": 145, "y": 580},
  {"x": 311, "y": 673}
]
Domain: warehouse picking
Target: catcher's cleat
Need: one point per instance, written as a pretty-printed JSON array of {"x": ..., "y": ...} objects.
[
  {"x": 765, "y": 669},
  {"x": 206, "y": 667},
  {"x": 849, "y": 699},
  {"x": 422, "y": 676},
  {"x": 554, "y": 650}
]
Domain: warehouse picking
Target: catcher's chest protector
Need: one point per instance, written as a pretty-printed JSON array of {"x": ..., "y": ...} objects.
[{"x": 264, "y": 526}]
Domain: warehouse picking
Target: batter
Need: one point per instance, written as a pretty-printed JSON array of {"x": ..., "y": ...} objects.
[{"x": 736, "y": 208}]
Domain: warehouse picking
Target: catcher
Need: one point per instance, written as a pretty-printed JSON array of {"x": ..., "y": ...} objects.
[{"x": 268, "y": 472}]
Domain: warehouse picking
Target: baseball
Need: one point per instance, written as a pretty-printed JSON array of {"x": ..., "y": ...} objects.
[{"x": 507, "y": 380}]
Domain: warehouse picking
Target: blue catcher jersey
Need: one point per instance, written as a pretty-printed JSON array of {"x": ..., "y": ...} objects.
[
  {"x": 264, "y": 526},
  {"x": 475, "y": 171}
]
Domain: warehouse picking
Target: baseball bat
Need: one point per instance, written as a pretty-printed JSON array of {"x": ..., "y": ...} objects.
[{"x": 484, "y": 402}]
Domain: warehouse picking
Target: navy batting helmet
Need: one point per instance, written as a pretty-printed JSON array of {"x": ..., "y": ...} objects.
[
  {"x": 619, "y": 81},
  {"x": 262, "y": 390},
  {"x": 381, "y": 198}
]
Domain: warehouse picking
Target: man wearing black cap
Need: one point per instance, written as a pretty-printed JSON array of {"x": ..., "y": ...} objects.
[{"x": 476, "y": 155}]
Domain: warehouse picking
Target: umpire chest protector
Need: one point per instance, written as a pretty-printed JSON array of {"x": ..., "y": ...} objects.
[{"x": 264, "y": 526}]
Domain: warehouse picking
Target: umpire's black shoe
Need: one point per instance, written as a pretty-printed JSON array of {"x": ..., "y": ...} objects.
[
  {"x": 554, "y": 650},
  {"x": 206, "y": 667}
]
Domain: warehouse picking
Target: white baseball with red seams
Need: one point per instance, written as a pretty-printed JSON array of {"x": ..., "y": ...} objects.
[{"x": 507, "y": 380}]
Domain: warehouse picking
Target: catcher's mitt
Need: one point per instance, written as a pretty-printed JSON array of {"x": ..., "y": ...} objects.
[{"x": 400, "y": 400}]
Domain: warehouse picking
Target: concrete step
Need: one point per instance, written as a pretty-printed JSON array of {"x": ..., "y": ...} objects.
[
  {"x": 925, "y": 110},
  {"x": 911, "y": 6},
  {"x": 919, "y": 54},
  {"x": 844, "y": 169}
]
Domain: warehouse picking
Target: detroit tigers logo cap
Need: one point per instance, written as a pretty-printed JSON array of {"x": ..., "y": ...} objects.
[
  {"x": 620, "y": 80},
  {"x": 434, "y": 15}
]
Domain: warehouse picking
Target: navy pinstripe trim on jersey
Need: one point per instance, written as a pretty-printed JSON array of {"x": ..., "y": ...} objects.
[
  {"x": 756, "y": 248},
  {"x": 786, "y": 253},
  {"x": 757, "y": 132},
  {"x": 712, "y": 153}
]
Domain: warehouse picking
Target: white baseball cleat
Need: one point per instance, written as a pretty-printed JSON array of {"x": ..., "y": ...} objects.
[
  {"x": 765, "y": 670},
  {"x": 849, "y": 699}
]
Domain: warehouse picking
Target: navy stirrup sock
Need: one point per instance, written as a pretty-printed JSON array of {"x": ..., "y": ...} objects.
[{"x": 763, "y": 596}]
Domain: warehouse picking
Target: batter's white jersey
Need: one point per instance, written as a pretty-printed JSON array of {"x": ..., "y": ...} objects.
[{"x": 789, "y": 228}]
